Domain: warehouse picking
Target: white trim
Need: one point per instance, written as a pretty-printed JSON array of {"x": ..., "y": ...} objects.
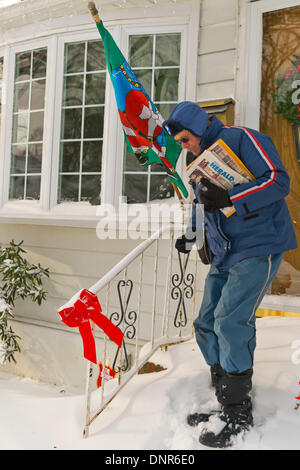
[
  {"x": 6, "y": 125},
  {"x": 58, "y": 26},
  {"x": 192, "y": 52},
  {"x": 250, "y": 111},
  {"x": 286, "y": 303},
  {"x": 48, "y": 126},
  {"x": 5, "y": 55}
]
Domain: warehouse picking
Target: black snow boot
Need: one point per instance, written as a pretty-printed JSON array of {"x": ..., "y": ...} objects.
[
  {"x": 236, "y": 414},
  {"x": 216, "y": 372}
]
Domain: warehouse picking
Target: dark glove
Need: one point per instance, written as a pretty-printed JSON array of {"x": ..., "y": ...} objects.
[
  {"x": 213, "y": 197},
  {"x": 182, "y": 242}
]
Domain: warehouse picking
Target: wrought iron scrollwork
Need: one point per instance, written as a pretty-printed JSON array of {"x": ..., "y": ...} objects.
[
  {"x": 125, "y": 320},
  {"x": 181, "y": 289}
]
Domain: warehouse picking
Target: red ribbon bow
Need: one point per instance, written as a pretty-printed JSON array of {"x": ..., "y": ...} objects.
[{"x": 87, "y": 308}]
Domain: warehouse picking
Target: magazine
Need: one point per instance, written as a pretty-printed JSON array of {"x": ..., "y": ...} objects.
[{"x": 220, "y": 165}]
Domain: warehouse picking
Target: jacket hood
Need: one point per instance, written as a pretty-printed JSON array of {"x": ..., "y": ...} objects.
[
  {"x": 211, "y": 133},
  {"x": 187, "y": 115}
]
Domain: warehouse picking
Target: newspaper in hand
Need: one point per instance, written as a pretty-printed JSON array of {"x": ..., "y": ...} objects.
[{"x": 220, "y": 165}]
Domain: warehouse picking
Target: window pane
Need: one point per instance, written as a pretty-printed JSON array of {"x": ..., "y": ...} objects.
[
  {"x": 33, "y": 187},
  {"x": 165, "y": 109},
  {"x": 135, "y": 188},
  {"x": 74, "y": 57},
  {"x": 35, "y": 152},
  {"x": 131, "y": 163},
  {"x": 145, "y": 78},
  {"x": 21, "y": 98},
  {"x": 70, "y": 157},
  {"x": 39, "y": 63},
  {"x": 90, "y": 189},
  {"x": 69, "y": 185},
  {"x": 157, "y": 168},
  {"x": 71, "y": 123},
  {"x": 16, "y": 190},
  {"x": 93, "y": 122},
  {"x": 20, "y": 127},
  {"x": 95, "y": 88},
  {"x": 167, "y": 51},
  {"x": 38, "y": 94},
  {"x": 95, "y": 56},
  {"x": 166, "y": 85},
  {"x": 36, "y": 126},
  {"x": 23, "y": 65},
  {"x": 18, "y": 158},
  {"x": 73, "y": 90},
  {"x": 91, "y": 158},
  {"x": 160, "y": 187},
  {"x": 140, "y": 51}
]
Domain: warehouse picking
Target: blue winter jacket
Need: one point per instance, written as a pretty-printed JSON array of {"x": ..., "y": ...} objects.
[{"x": 261, "y": 224}]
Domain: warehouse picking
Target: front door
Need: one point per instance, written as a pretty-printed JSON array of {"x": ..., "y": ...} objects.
[{"x": 280, "y": 119}]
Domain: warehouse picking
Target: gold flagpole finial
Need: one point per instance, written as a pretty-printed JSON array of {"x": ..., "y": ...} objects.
[
  {"x": 94, "y": 12},
  {"x": 178, "y": 194}
]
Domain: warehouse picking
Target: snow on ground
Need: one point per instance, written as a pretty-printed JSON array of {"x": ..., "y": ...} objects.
[{"x": 150, "y": 412}]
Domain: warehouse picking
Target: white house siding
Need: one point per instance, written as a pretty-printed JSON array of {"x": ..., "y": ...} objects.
[
  {"x": 217, "y": 50},
  {"x": 75, "y": 256}
]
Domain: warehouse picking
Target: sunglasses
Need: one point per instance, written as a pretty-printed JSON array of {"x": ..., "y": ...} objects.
[{"x": 184, "y": 140}]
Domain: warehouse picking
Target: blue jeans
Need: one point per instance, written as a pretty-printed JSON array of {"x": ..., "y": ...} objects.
[{"x": 225, "y": 328}]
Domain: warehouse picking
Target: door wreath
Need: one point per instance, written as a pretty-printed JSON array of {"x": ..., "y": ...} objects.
[{"x": 287, "y": 93}]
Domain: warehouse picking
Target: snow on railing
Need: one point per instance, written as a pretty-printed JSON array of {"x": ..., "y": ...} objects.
[{"x": 151, "y": 297}]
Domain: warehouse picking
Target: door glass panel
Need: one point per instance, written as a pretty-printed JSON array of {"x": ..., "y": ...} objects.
[{"x": 281, "y": 47}]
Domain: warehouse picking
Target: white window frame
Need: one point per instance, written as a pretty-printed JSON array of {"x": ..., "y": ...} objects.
[
  {"x": 183, "y": 19},
  {"x": 3, "y": 53},
  {"x": 250, "y": 79},
  {"x": 6, "y": 136}
]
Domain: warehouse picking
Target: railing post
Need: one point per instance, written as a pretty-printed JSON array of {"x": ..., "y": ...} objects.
[
  {"x": 104, "y": 344},
  {"x": 89, "y": 376},
  {"x": 139, "y": 307},
  {"x": 165, "y": 322},
  {"x": 154, "y": 293}
]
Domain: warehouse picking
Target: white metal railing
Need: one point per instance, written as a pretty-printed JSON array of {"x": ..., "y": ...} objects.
[{"x": 169, "y": 320}]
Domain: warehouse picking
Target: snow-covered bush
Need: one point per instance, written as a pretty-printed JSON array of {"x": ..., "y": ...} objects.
[{"x": 19, "y": 279}]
